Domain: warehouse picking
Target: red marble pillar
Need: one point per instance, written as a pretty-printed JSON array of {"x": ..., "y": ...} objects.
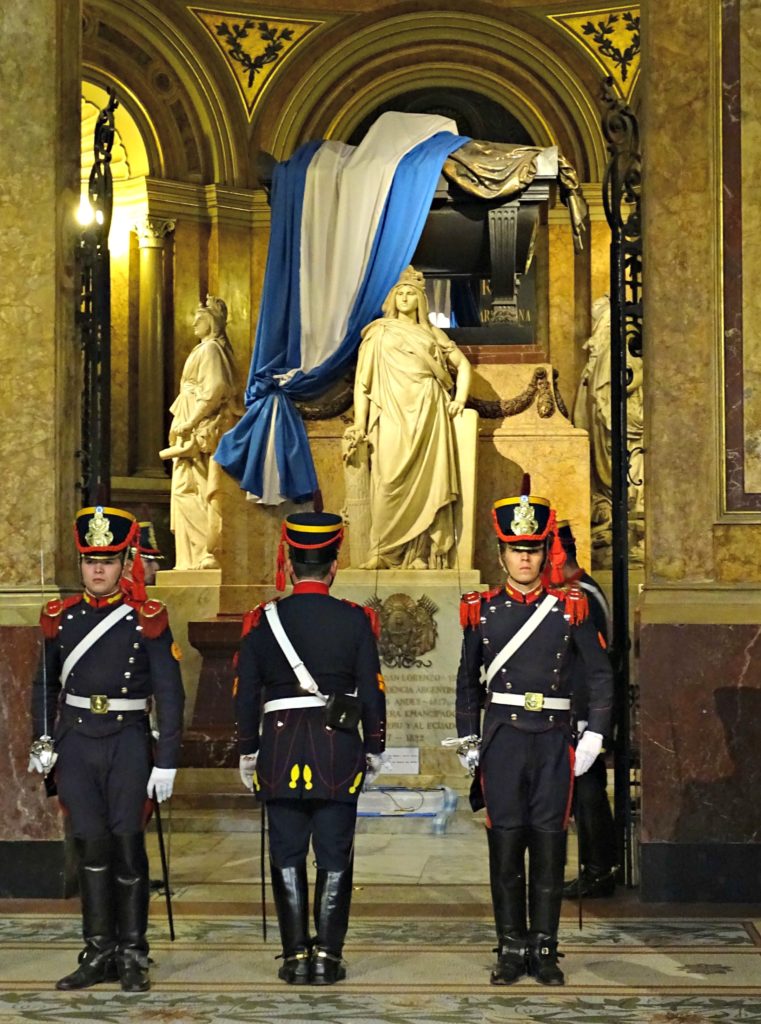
[{"x": 33, "y": 854}]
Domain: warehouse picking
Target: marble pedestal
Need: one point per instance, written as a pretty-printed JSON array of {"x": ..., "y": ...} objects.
[
  {"x": 190, "y": 595},
  {"x": 420, "y": 684}
]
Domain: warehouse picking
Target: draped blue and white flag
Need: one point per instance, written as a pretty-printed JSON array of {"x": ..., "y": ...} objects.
[{"x": 345, "y": 222}]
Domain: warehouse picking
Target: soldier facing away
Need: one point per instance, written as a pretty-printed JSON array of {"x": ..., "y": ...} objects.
[
  {"x": 308, "y": 676},
  {"x": 526, "y": 637},
  {"x": 108, "y": 655}
]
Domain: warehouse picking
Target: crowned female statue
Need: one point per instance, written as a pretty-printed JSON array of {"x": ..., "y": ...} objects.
[
  {"x": 208, "y": 405},
  {"x": 403, "y": 409}
]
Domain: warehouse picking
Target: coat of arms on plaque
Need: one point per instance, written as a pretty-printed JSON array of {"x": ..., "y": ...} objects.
[{"x": 408, "y": 629}]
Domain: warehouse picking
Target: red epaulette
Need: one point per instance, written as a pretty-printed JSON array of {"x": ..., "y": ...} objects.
[
  {"x": 252, "y": 618},
  {"x": 153, "y": 617},
  {"x": 50, "y": 616},
  {"x": 374, "y": 620},
  {"x": 470, "y": 609},
  {"x": 575, "y": 603}
]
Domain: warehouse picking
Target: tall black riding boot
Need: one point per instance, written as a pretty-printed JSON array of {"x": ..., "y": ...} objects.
[
  {"x": 332, "y": 902},
  {"x": 507, "y": 873},
  {"x": 546, "y": 860},
  {"x": 289, "y": 887},
  {"x": 96, "y": 961},
  {"x": 132, "y": 887}
]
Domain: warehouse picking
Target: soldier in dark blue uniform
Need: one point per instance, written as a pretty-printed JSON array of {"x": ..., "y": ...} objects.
[
  {"x": 526, "y": 637},
  {"x": 310, "y": 761},
  {"x": 594, "y": 820},
  {"x": 108, "y": 656}
]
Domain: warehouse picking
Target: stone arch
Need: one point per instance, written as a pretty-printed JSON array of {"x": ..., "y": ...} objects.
[
  {"x": 187, "y": 118},
  {"x": 525, "y": 64}
]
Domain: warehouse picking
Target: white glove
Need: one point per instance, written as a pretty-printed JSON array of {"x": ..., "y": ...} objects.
[
  {"x": 469, "y": 760},
  {"x": 42, "y": 757},
  {"x": 246, "y": 768},
  {"x": 587, "y": 751},
  {"x": 581, "y": 726},
  {"x": 373, "y": 763},
  {"x": 161, "y": 783}
]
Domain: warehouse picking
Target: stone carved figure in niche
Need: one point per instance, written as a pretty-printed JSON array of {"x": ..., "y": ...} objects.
[
  {"x": 209, "y": 403},
  {"x": 403, "y": 411},
  {"x": 592, "y": 412}
]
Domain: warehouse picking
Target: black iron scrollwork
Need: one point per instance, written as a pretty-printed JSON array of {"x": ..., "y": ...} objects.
[
  {"x": 94, "y": 316},
  {"x": 621, "y": 200}
]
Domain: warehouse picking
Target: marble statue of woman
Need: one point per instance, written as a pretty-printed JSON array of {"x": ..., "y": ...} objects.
[
  {"x": 404, "y": 409},
  {"x": 208, "y": 405}
]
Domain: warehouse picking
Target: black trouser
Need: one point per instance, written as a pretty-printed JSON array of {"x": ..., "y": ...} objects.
[
  {"x": 102, "y": 781},
  {"x": 594, "y": 820},
  {"x": 527, "y": 779},
  {"x": 102, "y": 786},
  {"x": 329, "y": 824}
]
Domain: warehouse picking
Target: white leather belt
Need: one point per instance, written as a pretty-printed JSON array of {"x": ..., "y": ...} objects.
[
  {"x": 99, "y": 704},
  {"x": 286, "y": 703},
  {"x": 532, "y": 701}
]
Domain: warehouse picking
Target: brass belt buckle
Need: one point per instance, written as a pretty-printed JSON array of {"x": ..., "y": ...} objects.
[
  {"x": 533, "y": 701},
  {"x": 98, "y": 703}
]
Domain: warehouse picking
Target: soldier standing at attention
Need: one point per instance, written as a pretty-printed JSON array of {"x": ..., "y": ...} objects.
[
  {"x": 308, "y": 672},
  {"x": 526, "y": 636},
  {"x": 108, "y": 654},
  {"x": 594, "y": 819}
]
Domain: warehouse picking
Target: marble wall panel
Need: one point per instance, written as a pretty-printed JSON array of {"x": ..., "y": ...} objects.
[
  {"x": 39, "y": 104},
  {"x": 700, "y": 695},
  {"x": 230, "y": 278},
  {"x": 599, "y": 251},
  {"x": 750, "y": 83},
  {"x": 561, "y": 304},
  {"x": 121, "y": 414},
  {"x": 680, "y": 308},
  {"x": 25, "y": 811},
  {"x": 190, "y": 287}
]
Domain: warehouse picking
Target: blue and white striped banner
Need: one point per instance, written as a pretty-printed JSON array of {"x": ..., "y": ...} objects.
[{"x": 345, "y": 222}]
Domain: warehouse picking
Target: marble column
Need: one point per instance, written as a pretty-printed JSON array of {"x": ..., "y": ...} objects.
[
  {"x": 150, "y": 368},
  {"x": 39, "y": 399},
  {"x": 699, "y": 636}
]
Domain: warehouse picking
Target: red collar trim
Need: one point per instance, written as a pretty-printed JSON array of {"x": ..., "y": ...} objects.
[
  {"x": 518, "y": 595},
  {"x": 311, "y": 587},
  {"x": 103, "y": 602}
]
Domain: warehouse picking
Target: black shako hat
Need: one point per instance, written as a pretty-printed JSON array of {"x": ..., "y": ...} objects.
[
  {"x": 102, "y": 532},
  {"x": 567, "y": 539},
  {"x": 148, "y": 544},
  {"x": 525, "y": 522},
  {"x": 312, "y": 538}
]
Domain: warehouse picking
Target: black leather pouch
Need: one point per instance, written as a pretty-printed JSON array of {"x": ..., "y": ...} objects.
[{"x": 343, "y": 711}]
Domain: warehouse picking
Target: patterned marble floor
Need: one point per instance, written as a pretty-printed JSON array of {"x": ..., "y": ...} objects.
[{"x": 419, "y": 949}]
